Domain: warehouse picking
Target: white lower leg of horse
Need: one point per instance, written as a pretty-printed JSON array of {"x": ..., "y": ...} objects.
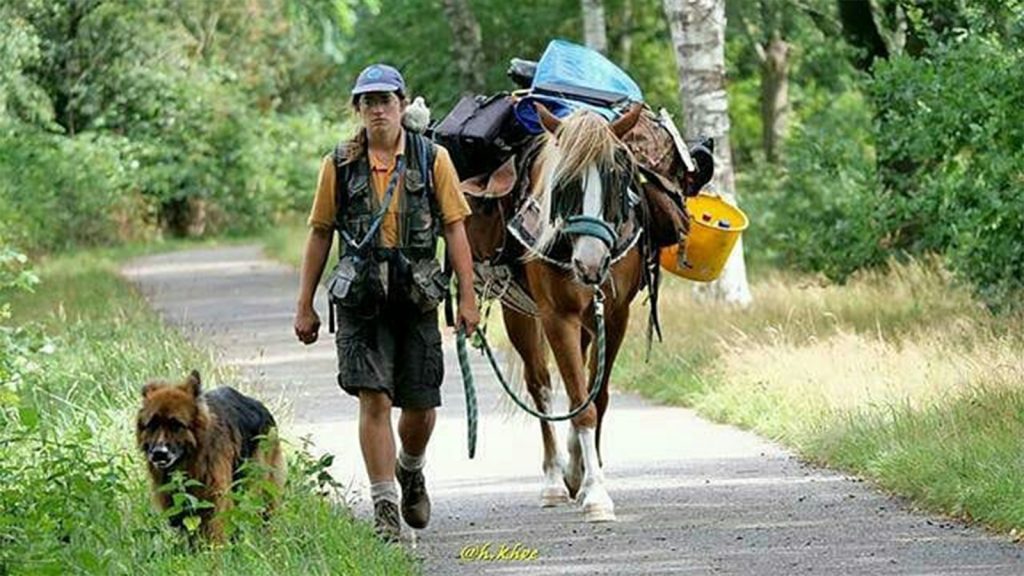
[
  {"x": 574, "y": 473},
  {"x": 554, "y": 492},
  {"x": 597, "y": 504}
]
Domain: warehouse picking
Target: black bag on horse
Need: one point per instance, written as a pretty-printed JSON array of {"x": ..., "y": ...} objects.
[{"x": 479, "y": 133}]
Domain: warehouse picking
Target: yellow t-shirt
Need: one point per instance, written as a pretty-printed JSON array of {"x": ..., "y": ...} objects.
[{"x": 450, "y": 200}]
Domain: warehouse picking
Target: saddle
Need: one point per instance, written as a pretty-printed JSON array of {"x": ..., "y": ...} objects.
[{"x": 499, "y": 198}]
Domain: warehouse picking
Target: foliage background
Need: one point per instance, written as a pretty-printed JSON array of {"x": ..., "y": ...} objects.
[{"x": 124, "y": 121}]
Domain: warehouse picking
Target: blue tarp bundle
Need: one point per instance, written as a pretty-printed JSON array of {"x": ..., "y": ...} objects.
[
  {"x": 570, "y": 76},
  {"x": 565, "y": 65}
]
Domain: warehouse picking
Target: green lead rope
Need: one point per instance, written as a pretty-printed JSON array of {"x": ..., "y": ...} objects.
[
  {"x": 596, "y": 383},
  {"x": 472, "y": 414}
]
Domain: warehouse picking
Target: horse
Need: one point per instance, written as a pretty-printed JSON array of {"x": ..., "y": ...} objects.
[{"x": 586, "y": 183}]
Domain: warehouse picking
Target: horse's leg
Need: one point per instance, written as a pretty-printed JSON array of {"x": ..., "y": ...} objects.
[
  {"x": 574, "y": 472},
  {"x": 525, "y": 334},
  {"x": 615, "y": 331},
  {"x": 564, "y": 338}
]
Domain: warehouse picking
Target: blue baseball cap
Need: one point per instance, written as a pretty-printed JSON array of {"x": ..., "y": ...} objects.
[{"x": 379, "y": 78}]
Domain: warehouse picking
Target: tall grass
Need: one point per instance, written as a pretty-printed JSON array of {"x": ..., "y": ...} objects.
[
  {"x": 898, "y": 376},
  {"x": 73, "y": 492}
]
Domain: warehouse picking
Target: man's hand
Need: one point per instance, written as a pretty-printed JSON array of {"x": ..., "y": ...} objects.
[
  {"x": 307, "y": 325},
  {"x": 469, "y": 315}
]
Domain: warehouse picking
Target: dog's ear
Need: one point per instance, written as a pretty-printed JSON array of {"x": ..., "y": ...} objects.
[
  {"x": 149, "y": 388},
  {"x": 193, "y": 384}
]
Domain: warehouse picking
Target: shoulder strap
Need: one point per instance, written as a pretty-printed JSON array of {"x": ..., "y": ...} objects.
[
  {"x": 426, "y": 153},
  {"x": 340, "y": 177},
  {"x": 427, "y": 158}
]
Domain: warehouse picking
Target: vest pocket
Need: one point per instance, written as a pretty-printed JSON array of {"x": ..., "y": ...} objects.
[
  {"x": 419, "y": 214},
  {"x": 355, "y": 283},
  {"x": 428, "y": 284},
  {"x": 358, "y": 209}
]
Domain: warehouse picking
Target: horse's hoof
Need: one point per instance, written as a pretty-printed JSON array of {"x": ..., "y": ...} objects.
[
  {"x": 554, "y": 496},
  {"x": 598, "y": 513}
]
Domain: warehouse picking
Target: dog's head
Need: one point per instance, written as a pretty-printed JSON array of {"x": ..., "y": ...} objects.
[{"x": 170, "y": 421}]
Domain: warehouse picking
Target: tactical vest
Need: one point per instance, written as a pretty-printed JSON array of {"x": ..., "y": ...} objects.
[{"x": 357, "y": 204}]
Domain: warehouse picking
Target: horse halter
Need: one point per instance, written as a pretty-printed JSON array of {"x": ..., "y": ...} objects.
[{"x": 583, "y": 225}]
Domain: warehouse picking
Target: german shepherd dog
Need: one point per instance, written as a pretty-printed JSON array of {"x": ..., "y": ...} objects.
[{"x": 208, "y": 436}]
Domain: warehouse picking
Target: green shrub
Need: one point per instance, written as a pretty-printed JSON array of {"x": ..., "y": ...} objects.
[
  {"x": 248, "y": 168},
  {"x": 824, "y": 211},
  {"x": 58, "y": 192},
  {"x": 16, "y": 344},
  {"x": 951, "y": 149}
]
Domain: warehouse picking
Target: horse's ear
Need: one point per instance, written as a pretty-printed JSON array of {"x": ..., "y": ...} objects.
[
  {"x": 547, "y": 119},
  {"x": 626, "y": 122}
]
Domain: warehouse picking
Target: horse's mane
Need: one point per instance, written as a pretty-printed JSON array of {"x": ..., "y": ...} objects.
[{"x": 582, "y": 140}]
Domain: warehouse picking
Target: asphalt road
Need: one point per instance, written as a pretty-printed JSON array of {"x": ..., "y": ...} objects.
[{"x": 691, "y": 497}]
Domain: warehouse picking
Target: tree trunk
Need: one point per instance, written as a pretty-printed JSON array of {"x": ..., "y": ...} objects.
[
  {"x": 775, "y": 97},
  {"x": 66, "y": 100},
  {"x": 594, "y": 34},
  {"x": 626, "y": 40},
  {"x": 185, "y": 217},
  {"x": 466, "y": 44},
  {"x": 698, "y": 35},
  {"x": 201, "y": 24},
  {"x": 861, "y": 31}
]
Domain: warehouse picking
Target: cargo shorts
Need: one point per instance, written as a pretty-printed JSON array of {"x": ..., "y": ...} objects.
[{"x": 396, "y": 350}]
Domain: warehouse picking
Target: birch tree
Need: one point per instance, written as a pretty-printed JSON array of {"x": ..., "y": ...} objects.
[
  {"x": 594, "y": 33},
  {"x": 697, "y": 29}
]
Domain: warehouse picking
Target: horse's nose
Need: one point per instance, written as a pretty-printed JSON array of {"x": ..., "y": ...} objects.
[{"x": 590, "y": 276}]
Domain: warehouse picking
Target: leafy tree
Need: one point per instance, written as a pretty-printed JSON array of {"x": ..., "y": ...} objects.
[{"x": 20, "y": 97}]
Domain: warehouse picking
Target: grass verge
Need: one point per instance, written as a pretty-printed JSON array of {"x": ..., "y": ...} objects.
[
  {"x": 897, "y": 376},
  {"x": 73, "y": 492}
]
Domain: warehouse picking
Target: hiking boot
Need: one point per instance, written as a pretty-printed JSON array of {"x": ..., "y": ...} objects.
[
  {"x": 415, "y": 502},
  {"x": 386, "y": 524}
]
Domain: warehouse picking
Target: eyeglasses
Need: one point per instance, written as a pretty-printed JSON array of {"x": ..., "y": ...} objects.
[{"x": 377, "y": 100}]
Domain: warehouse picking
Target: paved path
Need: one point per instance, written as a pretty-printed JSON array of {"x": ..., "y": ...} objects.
[{"x": 691, "y": 497}]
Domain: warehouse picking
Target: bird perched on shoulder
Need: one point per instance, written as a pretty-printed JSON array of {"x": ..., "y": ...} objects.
[{"x": 417, "y": 116}]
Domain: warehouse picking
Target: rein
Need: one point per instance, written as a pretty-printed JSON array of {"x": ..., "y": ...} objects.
[{"x": 597, "y": 381}]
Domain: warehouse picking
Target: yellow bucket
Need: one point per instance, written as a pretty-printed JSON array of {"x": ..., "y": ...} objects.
[{"x": 715, "y": 225}]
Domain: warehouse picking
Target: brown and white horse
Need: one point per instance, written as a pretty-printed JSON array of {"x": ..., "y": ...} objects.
[{"x": 581, "y": 181}]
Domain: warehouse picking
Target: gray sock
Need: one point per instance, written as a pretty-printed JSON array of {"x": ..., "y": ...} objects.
[
  {"x": 384, "y": 491},
  {"x": 410, "y": 462}
]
